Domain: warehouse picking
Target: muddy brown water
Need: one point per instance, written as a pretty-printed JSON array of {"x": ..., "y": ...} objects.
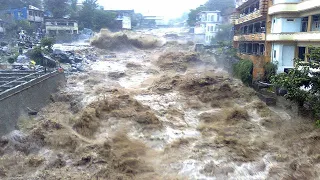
[{"x": 201, "y": 128}]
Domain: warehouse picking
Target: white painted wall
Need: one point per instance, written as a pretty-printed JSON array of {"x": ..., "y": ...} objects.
[
  {"x": 283, "y": 55},
  {"x": 126, "y": 22},
  {"x": 285, "y": 1},
  {"x": 286, "y": 25},
  {"x": 210, "y": 17}
]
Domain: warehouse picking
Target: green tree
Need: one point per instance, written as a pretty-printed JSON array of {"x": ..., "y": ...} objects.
[
  {"x": 225, "y": 6},
  {"x": 224, "y": 34},
  {"x": 74, "y": 11},
  {"x": 87, "y": 13},
  {"x": 303, "y": 82},
  {"x": 192, "y": 17},
  {"x": 58, "y": 8},
  {"x": 243, "y": 70},
  {"x": 136, "y": 19},
  {"x": 47, "y": 43},
  {"x": 11, "y": 4},
  {"x": 103, "y": 19}
]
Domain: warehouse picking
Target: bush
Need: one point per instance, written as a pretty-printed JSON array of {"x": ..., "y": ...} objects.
[
  {"x": 270, "y": 70},
  {"x": 36, "y": 55},
  {"x": 11, "y": 60},
  {"x": 47, "y": 42},
  {"x": 243, "y": 70}
]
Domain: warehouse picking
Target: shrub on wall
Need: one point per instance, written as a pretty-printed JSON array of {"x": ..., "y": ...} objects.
[
  {"x": 243, "y": 70},
  {"x": 270, "y": 70}
]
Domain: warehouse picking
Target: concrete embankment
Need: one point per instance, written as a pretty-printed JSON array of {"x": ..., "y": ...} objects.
[{"x": 33, "y": 95}]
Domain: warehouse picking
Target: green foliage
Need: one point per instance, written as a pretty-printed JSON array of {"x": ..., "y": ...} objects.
[
  {"x": 36, "y": 54},
  {"x": 192, "y": 17},
  {"x": 15, "y": 26},
  {"x": 103, "y": 19},
  {"x": 87, "y": 13},
  {"x": 47, "y": 43},
  {"x": 58, "y": 8},
  {"x": 224, "y": 34},
  {"x": 73, "y": 9},
  {"x": 225, "y": 6},
  {"x": 11, "y": 60},
  {"x": 136, "y": 19},
  {"x": 11, "y": 4},
  {"x": 318, "y": 123},
  {"x": 303, "y": 82},
  {"x": 243, "y": 70},
  {"x": 270, "y": 69}
]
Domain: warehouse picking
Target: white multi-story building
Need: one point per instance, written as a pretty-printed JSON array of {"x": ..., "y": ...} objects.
[
  {"x": 207, "y": 26},
  {"x": 295, "y": 26},
  {"x": 61, "y": 26}
]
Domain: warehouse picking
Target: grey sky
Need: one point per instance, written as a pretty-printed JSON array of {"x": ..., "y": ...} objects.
[{"x": 167, "y": 8}]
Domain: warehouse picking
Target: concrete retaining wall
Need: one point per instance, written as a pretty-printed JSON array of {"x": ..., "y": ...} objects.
[{"x": 34, "y": 94}]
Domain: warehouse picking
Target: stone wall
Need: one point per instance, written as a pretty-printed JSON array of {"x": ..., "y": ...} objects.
[{"x": 34, "y": 95}]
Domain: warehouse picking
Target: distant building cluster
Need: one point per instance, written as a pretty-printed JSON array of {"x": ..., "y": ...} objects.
[{"x": 39, "y": 19}]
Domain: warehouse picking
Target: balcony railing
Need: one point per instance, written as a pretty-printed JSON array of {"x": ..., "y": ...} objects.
[
  {"x": 299, "y": 36},
  {"x": 249, "y": 17},
  {"x": 250, "y": 37},
  {"x": 294, "y": 7}
]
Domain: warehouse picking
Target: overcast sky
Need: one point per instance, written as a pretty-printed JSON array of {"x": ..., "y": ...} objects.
[{"x": 167, "y": 8}]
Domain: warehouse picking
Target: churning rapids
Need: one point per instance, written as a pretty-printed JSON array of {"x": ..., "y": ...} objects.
[{"x": 162, "y": 112}]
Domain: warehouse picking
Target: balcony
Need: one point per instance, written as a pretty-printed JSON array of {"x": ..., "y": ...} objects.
[
  {"x": 249, "y": 17},
  {"x": 294, "y": 7},
  {"x": 300, "y": 36},
  {"x": 35, "y": 18},
  {"x": 250, "y": 37}
]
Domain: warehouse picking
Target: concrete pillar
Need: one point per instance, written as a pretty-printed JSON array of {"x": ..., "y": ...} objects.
[
  {"x": 296, "y": 52},
  {"x": 305, "y": 54},
  {"x": 310, "y": 19}
]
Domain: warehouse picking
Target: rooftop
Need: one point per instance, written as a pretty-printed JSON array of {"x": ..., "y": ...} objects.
[
  {"x": 61, "y": 19},
  {"x": 202, "y": 12},
  {"x": 34, "y": 8}
]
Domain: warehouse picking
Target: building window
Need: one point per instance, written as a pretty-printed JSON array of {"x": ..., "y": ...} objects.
[
  {"x": 256, "y": 49},
  {"x": 261, "y": 49},
  {"x": 211, "y": 28},
  {"x": 249, "y": 48},
  {"x": 250, "y": 29},
  {"x": 274, "y": 53},
  {"x": 290, "y": 19},
  {"x": 30, "y": 13},
  {"x": 302, "y": 52},
  {"x": 212, "y": 18}
]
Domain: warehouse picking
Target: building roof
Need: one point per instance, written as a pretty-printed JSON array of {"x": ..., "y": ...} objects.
[
  {"x": 152, "y": 17},
  {"x": 61, "y": 19},
  {"x": 131, "y": 11},
  {"x": 34, "y": 8},
  {"x": 202, "y": 12}
]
